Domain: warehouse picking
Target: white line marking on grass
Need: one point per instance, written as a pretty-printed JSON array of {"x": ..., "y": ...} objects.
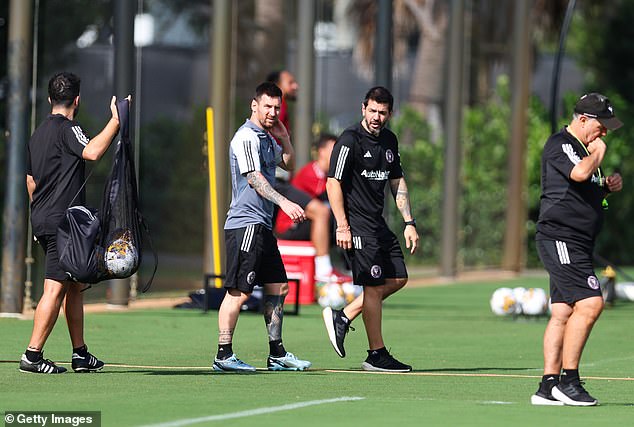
[
  {"x": 252, "y": 412},
  {"x": 496, "y": 402},
  {"x": 457, "y": 374}
]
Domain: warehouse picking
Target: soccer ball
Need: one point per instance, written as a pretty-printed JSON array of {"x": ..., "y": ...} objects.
[
  {"x": 331, "y": 295},
  {"x": 122, "y": 257},
  {"x": 625, "y": 290},
  {"x": 503, "y": 302},
  {"x": 534, "y": 302},
  {"x": 351, "y": 291},
  {"x": 518, "y": 294}
]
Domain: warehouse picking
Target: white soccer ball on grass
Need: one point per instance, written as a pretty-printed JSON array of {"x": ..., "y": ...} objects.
[
  {"x": 534, "y": 302},
  {"x": 503, "y": 302}
]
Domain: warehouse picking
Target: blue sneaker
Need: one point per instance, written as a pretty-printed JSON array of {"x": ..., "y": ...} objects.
[
  {"x": 232, "y": 364},
  {"x": 288, "y": 362}
]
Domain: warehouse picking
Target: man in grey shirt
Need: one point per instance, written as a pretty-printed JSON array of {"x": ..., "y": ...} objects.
[{"x": 252, "y": 253}]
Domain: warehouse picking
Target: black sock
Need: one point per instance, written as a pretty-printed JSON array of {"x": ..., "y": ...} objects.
[
  {"x": 375, "y": 354},
  {"x": 276, "y": 348},
  {"x": 33, "y": 356},
  {"x": 82, "y": 351},
  {"x": 548, "y": 382},
  {"x": 224, "y": 351},
  {"x": 569, "y": 376}
]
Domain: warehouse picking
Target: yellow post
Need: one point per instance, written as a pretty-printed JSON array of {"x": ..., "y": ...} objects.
[{"x": 213, "y": 195}]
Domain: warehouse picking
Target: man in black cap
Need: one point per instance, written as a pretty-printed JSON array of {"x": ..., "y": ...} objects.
[{"x": 574, "y": 190}]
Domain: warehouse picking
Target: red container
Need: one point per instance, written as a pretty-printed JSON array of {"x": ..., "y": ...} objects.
[{"x": 299, "y": 260}]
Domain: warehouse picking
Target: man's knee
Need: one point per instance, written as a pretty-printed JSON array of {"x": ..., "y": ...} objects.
[
  {"x": 276, "y": 289},
  {"x": 590, "y": 308},
  {"x": 397, "y": 283},
  {"x": 317, "y": 210}
]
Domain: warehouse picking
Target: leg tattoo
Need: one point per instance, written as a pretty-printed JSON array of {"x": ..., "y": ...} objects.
[
  {"x": 225, "y": 336},
  {"x": 273, "y": 315}
]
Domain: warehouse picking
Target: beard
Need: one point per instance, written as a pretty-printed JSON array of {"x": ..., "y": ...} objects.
[{"x": 373, "y": 131}]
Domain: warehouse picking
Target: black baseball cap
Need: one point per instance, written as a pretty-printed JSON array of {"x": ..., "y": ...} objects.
[{"x": 598, "y": 107}]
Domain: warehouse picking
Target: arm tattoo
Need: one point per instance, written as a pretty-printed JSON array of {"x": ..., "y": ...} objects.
[
  {"x": 402, "y": 198},
  {"x": 263, "y": 188}
]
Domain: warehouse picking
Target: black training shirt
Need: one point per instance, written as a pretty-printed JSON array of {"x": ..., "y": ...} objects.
[
  {"x": 54, "y": 160},
  {"x": 363, "y": 163},
  {"x": 569, "y": 210}
]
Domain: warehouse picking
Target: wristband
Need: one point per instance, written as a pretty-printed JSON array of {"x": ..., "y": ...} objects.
[{"x": 412, "y": 222}]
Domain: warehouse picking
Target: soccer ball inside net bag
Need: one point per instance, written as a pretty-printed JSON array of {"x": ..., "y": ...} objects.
[{"x": 122, "y": 256}]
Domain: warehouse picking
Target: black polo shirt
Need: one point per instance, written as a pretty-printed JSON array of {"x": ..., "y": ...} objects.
[
  {"x": 54, "y": 160},
  {"x": 569, "y": 211},
  {"x": 363, "y": 163}
]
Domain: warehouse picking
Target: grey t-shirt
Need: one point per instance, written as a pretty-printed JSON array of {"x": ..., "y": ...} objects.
[{"x": 251, "y": 149}]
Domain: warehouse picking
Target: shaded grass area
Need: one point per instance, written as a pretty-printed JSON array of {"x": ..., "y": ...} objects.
[{"x": 443, "y": 332}]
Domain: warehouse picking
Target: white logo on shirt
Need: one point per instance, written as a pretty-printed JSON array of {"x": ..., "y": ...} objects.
[
  {"x": 80, "y": 135},
  {"x": 376, "y": 175},
  {"x": 367, "y": 154},
  {"x": 389, "y": 156},
  {"x": 570, "y": 152}
]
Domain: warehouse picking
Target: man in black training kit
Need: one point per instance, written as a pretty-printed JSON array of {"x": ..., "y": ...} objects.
[
  {"x": 56, "y": 155},
  {"x": 574, "y": 188},
  {"x": 363, "y": 160}
]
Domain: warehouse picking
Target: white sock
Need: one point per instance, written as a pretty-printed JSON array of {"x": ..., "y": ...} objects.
[{"x": 323, "y": 266}]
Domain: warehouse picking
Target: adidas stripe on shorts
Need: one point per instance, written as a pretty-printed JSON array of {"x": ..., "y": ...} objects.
[{"x": 571, "y": 271}]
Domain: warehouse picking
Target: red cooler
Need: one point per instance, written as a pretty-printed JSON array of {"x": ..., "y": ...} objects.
[{"x": 299, "y": 260}]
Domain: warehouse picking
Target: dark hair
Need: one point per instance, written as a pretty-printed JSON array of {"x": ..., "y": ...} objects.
[
  {"x": 274, "y": 76},
  {"x": 323, "y": 139},
  {"x": 63, "y": 88},
  {"x": 267, "y": 88},
  {"x": 380, "y": 95}
]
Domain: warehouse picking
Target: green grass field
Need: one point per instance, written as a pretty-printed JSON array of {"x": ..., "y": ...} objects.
[{"x": 470, "y": 368}]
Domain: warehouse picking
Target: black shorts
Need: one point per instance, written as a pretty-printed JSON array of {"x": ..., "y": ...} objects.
[
  {"x": 52, "y": 270},
  {"x": 571, "y": 271},
  {"x": 377, "y": 258},
  {"x": 252, "y": 258}
]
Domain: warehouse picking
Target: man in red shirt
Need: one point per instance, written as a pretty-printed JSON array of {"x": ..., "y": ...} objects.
[
  {"x": 285, "y": 81},
  {"x": 311, "y": 180}
]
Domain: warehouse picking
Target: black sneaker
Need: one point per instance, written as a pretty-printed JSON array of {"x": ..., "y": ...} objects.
[
  {"x": 573, "y": 394},
  {"x": 337, "y": 327},
  {"x": 545, "y": 397},
  {"x": 42, "y": 366},
  {"x": 385, "y": 363},
  {"x": 87, "y": 363}
]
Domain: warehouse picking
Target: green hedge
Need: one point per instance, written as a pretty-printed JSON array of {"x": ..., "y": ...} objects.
[{"x": 484, "y": 175}]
